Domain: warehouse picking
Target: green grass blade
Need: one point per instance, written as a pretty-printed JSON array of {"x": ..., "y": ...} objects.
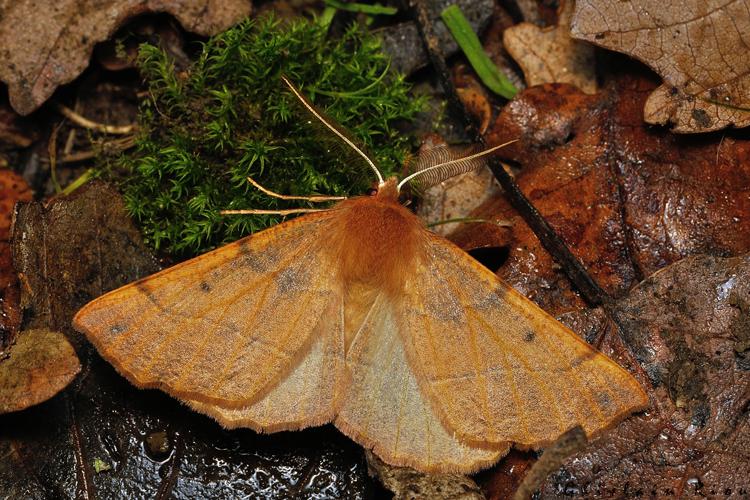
[
  {"x": 364, "y": 8},
  {"x": 472, "y": 47}
]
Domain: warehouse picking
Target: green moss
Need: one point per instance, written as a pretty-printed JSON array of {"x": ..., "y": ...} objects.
[{"x": 228, "y": 116}]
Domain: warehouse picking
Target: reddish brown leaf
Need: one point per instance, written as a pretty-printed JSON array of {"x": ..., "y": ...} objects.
[
  {"x": 699, "y": 48},
  {"x": 627, "y": 198},
  {"x": 41, "y": 364},
  {"x": 44, "y": 43},
  {"x": 567, "y": 178}
]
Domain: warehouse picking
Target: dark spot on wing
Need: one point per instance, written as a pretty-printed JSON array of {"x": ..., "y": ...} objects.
[
  {"x": 529, "y": 336},
  {"x": 292, "y": 280},
  {"x": 604, "y": 399},
  {"x": 116, "y": 329},
  {"x": 205, "y": 287},
  {"x": 576, "y": 362},
  {"x": 143, "y": 288},
  {"x": 259, "y": 261},
  {"x": 442, "y": 304}
]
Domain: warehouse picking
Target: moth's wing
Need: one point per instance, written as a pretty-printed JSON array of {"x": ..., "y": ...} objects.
[
  {"x": 306, "y": 396},
  {"x": 496, "y": 367},
  {"x": 385, "y": 410},
  {"x": 226, "y": 326}
]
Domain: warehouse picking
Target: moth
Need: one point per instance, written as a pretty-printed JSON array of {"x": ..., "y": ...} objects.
[{"x": 360, "y": 316}]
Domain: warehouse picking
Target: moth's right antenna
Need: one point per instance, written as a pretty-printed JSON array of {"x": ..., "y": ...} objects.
[{"x": 311, "y": 109}]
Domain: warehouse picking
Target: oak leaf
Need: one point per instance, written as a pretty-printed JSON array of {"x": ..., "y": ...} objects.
[
  {"x": 700, "y": 49},
  {"x": 46, "y": 43}
]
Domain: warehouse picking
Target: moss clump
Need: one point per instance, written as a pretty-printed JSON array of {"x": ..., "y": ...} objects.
[{"x": 228, "y": 116}]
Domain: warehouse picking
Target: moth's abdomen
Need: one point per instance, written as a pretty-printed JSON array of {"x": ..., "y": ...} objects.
[{"x": 377, "y": 242}]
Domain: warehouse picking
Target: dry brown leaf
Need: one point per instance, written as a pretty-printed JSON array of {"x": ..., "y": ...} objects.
[
  {"x": 550, "y": 55},
  {"x": 57, "y": 249},
  {"x": 687, "y": 326},
  {"x": 700, "y": 49},
  {"x": 409, "y": 484},
  {"x": 41, "y": 364},
  {"x": 46, "y": 43}
]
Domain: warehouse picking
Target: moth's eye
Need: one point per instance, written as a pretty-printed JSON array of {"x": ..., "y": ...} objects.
[{"x": 372, "y": 192}]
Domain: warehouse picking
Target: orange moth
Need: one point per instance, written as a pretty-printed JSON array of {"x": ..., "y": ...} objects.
[{"x": 360, "y": 316}]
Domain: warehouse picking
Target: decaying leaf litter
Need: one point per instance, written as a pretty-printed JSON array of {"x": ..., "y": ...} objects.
[{"x": 641, "y": 234}]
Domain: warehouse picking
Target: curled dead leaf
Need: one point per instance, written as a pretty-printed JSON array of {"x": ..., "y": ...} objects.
[{"x": 41, "y": 364}]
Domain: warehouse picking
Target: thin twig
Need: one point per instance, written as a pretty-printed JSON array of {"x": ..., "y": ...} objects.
[
  {"x": 92, "y": 125},
  {"x": 589, "y": 289},
  {"x": 120, "y": 144},
  {"x": 52, "y": 154}
]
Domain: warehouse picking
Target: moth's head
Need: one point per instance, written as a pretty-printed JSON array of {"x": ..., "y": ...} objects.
[{"x": 385, "y": 191}]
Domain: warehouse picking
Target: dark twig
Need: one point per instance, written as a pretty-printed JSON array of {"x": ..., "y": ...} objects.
[{"x": 589, "y": 289}]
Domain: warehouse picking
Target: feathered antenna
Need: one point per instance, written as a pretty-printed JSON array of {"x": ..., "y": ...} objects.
[
  {"x": 440, "y": 163},
  {"x": 332, "y": 127}
]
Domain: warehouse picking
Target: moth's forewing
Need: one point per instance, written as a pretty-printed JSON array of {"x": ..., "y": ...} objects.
[
  {"x": 225, "y": 327},
  {"x": 495, "y": 366}
]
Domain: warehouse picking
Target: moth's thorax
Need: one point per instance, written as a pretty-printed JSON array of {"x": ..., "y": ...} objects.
[{"x": 376, "y": 240}]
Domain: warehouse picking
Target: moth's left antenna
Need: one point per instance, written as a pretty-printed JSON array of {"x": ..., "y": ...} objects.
[
  {"x": 440, "y": 164},
  {"x": 311, "y": 109}
]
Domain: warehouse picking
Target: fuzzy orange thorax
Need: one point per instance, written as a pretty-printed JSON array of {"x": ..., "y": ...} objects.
[{"x": 376, "y": 240}]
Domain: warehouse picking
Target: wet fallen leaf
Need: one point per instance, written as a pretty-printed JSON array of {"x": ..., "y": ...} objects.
[
  {"x": 698, "y": 48},
  {"x": 12, "y": 189},
  {"x": 550, "y": 55},
  {"x": 41, "y": 364},
  {"x": 156, "y": 447},
  {"x": 684, "y": 325},
  {"x": 566, "y": 176},
  {"x": 409, "y": 484},
  {"x": 45, "y": 43}
]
